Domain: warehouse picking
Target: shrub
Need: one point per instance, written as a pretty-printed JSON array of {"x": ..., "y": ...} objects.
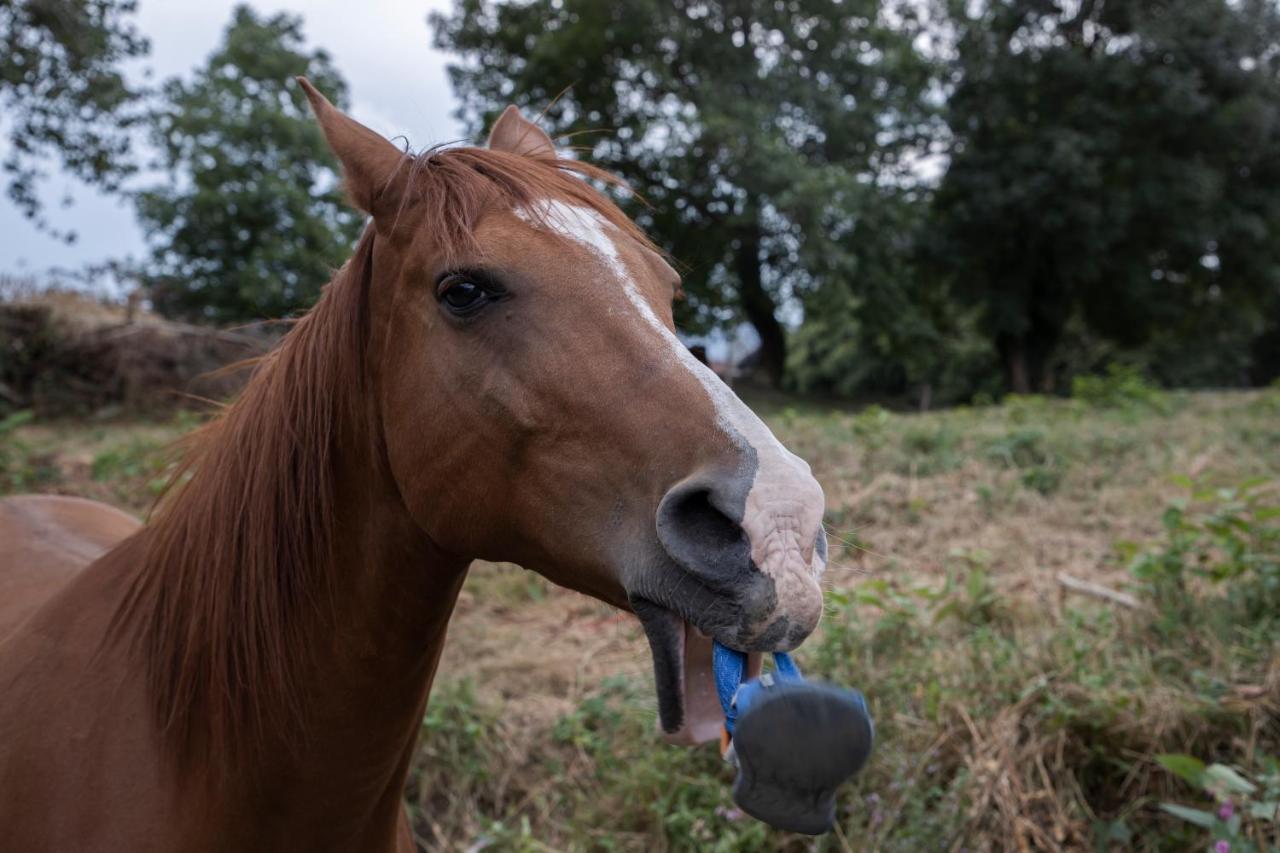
[{"x": 1120, "y": 387}]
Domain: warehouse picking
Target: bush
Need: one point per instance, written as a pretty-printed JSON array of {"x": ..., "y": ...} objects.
[{"x": 1120, "y": 387}]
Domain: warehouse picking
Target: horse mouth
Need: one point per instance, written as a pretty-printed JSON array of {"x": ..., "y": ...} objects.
[{"x": 689, "y": 709}]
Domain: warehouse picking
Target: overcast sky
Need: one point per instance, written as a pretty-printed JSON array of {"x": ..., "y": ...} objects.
[{"x": 382, "y": 47}]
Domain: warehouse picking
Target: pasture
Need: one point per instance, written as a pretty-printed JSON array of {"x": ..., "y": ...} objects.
[{"x": 1013, "y": 712}]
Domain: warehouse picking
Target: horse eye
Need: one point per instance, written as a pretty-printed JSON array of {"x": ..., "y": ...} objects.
[{"x": 462, "y": 295}]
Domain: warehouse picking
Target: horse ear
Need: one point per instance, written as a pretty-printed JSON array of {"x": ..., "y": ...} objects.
[
  {"x": 369, "y": 161},
  {"x": 515, "y": 134}
]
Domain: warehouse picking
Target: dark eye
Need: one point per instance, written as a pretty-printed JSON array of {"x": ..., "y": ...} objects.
[{"x": 463, "y": 294}]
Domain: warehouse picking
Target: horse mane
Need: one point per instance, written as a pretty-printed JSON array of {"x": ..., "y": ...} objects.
[{"x": 238, "y": 555}]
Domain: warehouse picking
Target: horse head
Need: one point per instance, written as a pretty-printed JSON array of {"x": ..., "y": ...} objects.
[{"x": 537, "y": 407}]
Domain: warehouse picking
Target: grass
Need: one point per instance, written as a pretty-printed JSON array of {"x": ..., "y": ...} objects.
[{"x": 1011, "y": 713}]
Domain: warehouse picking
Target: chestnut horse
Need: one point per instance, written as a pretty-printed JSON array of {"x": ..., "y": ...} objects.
[{"x": 494, "y": 375}]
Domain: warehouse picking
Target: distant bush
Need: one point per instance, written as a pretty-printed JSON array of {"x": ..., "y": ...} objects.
[{"x": 1121, "y": 386}]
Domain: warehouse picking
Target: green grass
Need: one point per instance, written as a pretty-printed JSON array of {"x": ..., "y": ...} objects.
[{"x": 1011, "y": 712}]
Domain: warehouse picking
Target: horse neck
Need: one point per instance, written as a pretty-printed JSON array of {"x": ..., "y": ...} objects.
[
  {"x": 366, "y": 689},
  {"x": 311, "y": 720},
  {"x": 334, "y": 779}
]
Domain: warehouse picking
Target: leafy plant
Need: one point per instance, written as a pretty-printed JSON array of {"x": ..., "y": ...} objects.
[
  {"x": 1223, "y": 537},
  {"x": 1246, "y": 813},
  {"x": 1120, "y": 387}
]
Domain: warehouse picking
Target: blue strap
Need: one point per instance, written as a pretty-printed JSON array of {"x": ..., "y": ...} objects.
[{"x": 730, "y": 667}]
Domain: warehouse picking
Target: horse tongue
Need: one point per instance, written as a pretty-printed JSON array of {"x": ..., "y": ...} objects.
[{"x": 703, "y": 716}]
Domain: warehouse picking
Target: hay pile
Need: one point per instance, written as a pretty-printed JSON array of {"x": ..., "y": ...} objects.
[{"x": 66, "y": 354}]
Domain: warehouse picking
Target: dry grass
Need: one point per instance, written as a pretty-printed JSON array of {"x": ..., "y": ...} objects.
[{"x": 1014, "y": 715}]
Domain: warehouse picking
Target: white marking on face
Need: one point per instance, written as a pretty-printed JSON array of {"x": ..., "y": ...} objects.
[{"x": 784, "y": 506}]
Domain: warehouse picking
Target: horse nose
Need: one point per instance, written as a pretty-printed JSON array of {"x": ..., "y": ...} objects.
[
  {"x": 756, "y": 544},
  {"x": 700, "y": 526}
]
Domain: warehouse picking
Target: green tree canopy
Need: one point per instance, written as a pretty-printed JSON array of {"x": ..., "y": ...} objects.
[
  {"x": 1115, "y": 164},
  {"x": 63, "y": 98},
  {"x": 762, "y": 134},
  {"x": 251, "y": 222}
]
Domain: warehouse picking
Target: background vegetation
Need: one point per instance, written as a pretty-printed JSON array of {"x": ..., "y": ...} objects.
[{"x": 915, "y": 200}]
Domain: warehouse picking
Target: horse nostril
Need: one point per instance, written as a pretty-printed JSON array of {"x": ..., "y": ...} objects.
[{"x": 699, "y": 535}]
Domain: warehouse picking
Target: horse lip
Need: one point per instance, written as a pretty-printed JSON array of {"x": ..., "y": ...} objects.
[
  {"x": 665, "y": 631},
  {"x": 689, "y": 710}
]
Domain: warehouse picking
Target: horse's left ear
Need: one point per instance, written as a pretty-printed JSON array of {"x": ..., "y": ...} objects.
[
  {"x": 515, "y": 134},
  {"x": 369, "y": 161}
]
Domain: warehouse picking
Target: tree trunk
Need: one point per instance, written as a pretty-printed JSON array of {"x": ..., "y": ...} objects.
[
  {"x": 1013, "y": 352},
  {"x": 758, "y": 305}
]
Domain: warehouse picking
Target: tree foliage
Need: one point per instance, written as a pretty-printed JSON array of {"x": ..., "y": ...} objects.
[
  {"x": 1115, "y": 163},
  {"x": 762, "y": 134},
  {"x": 63, "y": 96},
  {"x": 251, "y": 222}
]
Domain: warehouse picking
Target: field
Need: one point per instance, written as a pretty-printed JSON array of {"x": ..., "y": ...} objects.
[{"x": 1013, "y": 710}]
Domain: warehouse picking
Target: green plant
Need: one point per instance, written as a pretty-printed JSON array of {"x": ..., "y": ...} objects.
[
  {"x": 1044, "y": 479},
  {"x": 1020, "y": 448},
  {"x": 1246, "y": 813},
  {"x": 137, "y": 469},
  {"x": 20, "y": 468},
  {"x": 870, "y": 426},
  {"x": 1221, "y": 537},
  {"x": 1120, "y": 387},
  {"x": 930, "y": 449}
]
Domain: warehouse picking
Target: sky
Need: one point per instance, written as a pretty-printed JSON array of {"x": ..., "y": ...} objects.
[{"x": 382, "y": 47}]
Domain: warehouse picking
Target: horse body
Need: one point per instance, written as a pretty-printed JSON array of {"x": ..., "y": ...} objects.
[
  {"x": 44, "y": 541},
  {"x": 492, "y": 375}
]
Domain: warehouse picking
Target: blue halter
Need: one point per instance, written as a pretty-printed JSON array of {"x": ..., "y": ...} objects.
[{"x": 730, "y": 668}]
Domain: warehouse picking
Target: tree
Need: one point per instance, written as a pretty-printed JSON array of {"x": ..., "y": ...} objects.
[
  {"x": 251, "y": 222},
  {"x": 746, "y": 125},
  {"x": 63, "y": 95},
  {"x": 1115, "y": 163}
]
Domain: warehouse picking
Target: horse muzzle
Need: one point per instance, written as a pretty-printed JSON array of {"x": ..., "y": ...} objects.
[{"x": 744, "y": 559}]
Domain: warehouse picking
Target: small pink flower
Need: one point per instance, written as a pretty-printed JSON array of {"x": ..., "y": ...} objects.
[
  {"x": 728, "y": 814},
  {"x": 1226, "y": 810},
  {"x": 1222, "y": 847}
]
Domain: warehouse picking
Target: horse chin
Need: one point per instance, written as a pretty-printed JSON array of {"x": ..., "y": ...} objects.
[{"x": 689, "y": 709}]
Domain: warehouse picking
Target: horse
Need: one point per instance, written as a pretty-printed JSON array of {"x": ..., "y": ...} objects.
[{"x": 494, "y": 374}]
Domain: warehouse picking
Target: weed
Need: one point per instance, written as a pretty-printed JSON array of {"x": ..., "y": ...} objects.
[
  {"x": 871, "y": 426},
  {"x": 1020, "y": 448},
  {"x": 930, "y": 449},
  {"x": 1246, "y": 814},
  {"x": 1228, "y": 538},
  {"x": 1042, "y": 478}
]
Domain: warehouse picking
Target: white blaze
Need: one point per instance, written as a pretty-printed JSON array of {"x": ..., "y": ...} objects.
[{"x": 785, "y": 505}]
